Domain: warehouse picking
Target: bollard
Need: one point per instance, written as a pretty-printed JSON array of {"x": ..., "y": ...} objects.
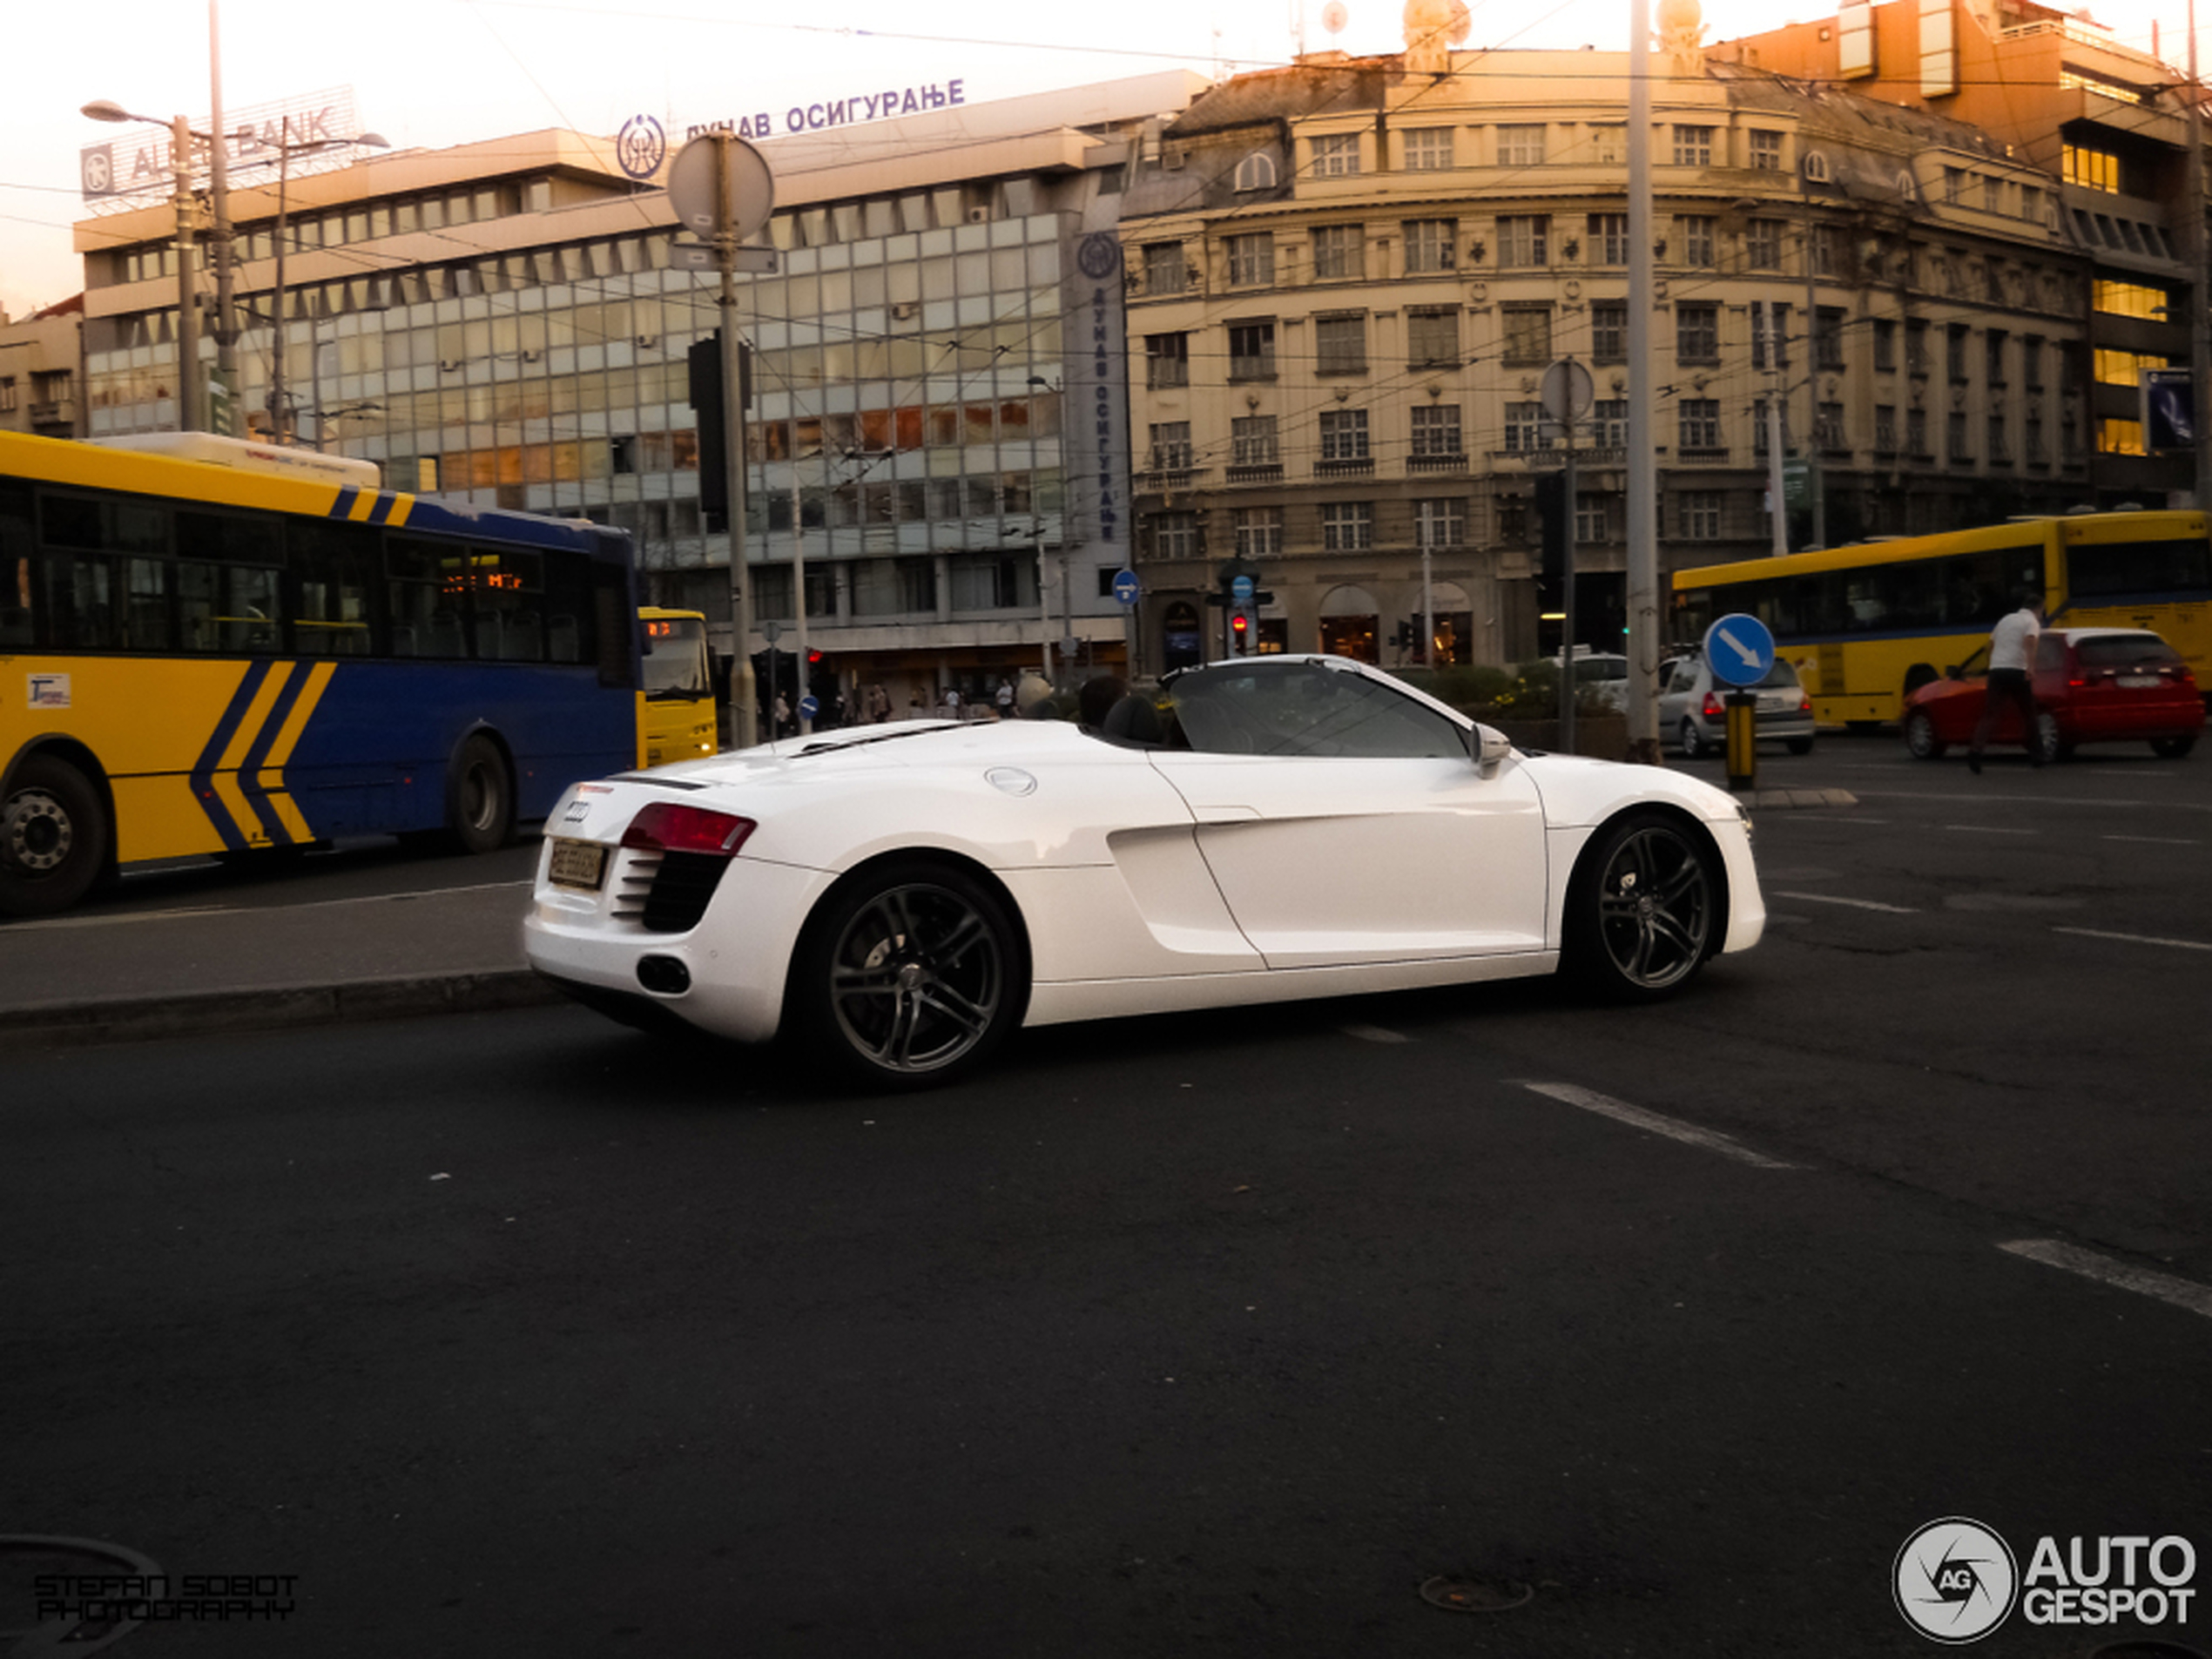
[{"x": 1742, "y": 740}]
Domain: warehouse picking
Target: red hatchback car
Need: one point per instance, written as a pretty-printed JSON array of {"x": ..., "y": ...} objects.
[{"x": 2092, "y": 685}]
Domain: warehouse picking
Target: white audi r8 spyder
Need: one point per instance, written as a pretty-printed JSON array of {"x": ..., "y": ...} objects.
[{"x": 899, "y": 897}]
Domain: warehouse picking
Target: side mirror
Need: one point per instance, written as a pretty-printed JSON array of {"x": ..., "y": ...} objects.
[
  {"x": 1489, "y": 748},
  {"x": 1952, "y": 672}
]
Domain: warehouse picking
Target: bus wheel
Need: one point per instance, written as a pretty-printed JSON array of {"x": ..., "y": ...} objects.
[
  {"x": 53, "y": 839},
  {"x": 480, "y": 797}
]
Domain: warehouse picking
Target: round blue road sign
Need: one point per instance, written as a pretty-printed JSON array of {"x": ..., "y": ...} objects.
[
  {"x": 1740, "y": 649},
  {"x": 1241, "y": 590},
  {"x": 809, "y": 706},
  {"x": 1125, "y": 586}
]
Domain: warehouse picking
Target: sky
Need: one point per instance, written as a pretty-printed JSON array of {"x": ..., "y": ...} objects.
[{"x": 431, "y": 73}]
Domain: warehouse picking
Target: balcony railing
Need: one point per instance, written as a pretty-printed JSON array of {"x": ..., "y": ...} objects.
[
  {"x": 1359, "y": 467},
  {"x": 1456, "y": 461},
  {"x": 1268, "y": 472}
]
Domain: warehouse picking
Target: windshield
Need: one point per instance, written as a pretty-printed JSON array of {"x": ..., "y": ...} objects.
[
  {"x": 1307, "y": 709},
  {"x": 676, "y": 656},
  {"x": 2125, "y": 651}
]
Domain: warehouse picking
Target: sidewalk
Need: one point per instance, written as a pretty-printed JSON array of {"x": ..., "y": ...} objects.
[{"x": 299, "y": 949}]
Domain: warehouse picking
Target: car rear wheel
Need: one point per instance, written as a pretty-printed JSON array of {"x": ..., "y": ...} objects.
[
  {"x": 909, "y": 976},
  {"x": 2173, "y": 748},
  {"x": 2048, "y": 745},
  {"x": 1921, "y": 739},
  {"x": 1644, "y": 910},
  {"x": 1693, "y": 741},
  {"x": 1797, "y": 746},
  {"x": 53, "y": 838}
]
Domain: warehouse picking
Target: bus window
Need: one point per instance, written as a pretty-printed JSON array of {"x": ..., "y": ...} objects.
[
  {"x": 334, "y": 567},
  {"x": 428, "y": 594}
]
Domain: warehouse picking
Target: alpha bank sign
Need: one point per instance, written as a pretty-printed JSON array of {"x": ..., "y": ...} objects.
[{"x": 139, "y": 166}]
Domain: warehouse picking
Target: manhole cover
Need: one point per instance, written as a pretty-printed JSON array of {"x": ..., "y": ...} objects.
[
  {"x": 82, "y": 1595},
  {"x": 1475, "y": 1594}
]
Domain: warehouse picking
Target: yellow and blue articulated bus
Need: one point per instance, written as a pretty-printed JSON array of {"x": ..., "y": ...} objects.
[{"x": 199, "y": 658}]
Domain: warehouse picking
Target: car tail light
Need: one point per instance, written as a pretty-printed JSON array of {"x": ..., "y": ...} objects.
[
  {"x": 1804, "y": 704},
  {"x": 671, "y": 827},
  {"x": 1711, "y": 710}
]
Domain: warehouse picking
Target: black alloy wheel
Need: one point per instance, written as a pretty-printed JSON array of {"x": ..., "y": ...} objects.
[
  {"x": 1645, "y": 910},
  {"x": 910, "y": 976},
  {"x": 1921, "y": 739}
]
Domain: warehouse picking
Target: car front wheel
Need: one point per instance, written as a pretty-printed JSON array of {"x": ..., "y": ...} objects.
[
  {"x": 2173, "y": 748},
  {"x": 908, "y": 977},
  {"x": 2049, "y": 745},
  {"x": 1693, "y": 741},
  {"x": 1644, "y": 910},
  {"x": 1921, "y": 739}
]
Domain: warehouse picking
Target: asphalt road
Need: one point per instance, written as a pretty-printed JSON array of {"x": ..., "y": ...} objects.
[{"x": 1221, "y": 1333}]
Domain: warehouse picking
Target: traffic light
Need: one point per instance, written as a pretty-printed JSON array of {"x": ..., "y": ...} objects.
[
  {"x": 1240, "y": 626},
  {"x": 1551, "y": 513},
  {"x": 704, "y": 362}
]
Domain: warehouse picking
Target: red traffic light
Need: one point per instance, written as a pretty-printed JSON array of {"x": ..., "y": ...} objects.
[
  {"x": 1240, "y": 622},
  {"x": 812, "y": 657}
]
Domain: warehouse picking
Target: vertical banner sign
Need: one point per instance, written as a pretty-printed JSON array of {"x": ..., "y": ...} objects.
[{"x": 1096, "y": 418}]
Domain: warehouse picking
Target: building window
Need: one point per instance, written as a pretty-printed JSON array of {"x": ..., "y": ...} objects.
[
  {"x": 1692, "y": 147},
  {"x": 1251, "y": 441},
  {"x": 1440, "y": 523},
  {"x": 1428, "y": 149},
  {"x": 1175, "y": 536},
  {"x": 1609, "y": 143},
  {"x": 1828, "y": 427},
  {"x": 1429, "y": 244},
  {"x": 1827, "y": 250},
  {"x": 1347, "y": 526},
  {"x": 1609, "y": 239},
  {"x": 1171, "y": 446},
  {"x": 1828, "y": 337},
  {"x": 7, "y": 394},
  {"x": 2032, "y": 445},
  {"x": 1954, "y": 439},
  {"x": 1701, "y": 422},
  {"x": 1955, "y": 353},
  {"x": 1609, "y": 424},
  {"x": 1340, "y": 344},
  {"x": 1260, "y": 532},
  {"x": 1884, "y": 345},
  {"x": 2000, "y": 444},
  {"x": 1524, "y": 428},
  {"x": 2129, "y": 300},
  {"x": 1252, "y": 260},
  {"x": 1954, "y": 186},
  {"x": 1608, "y": 330},
  {"x": 1886, "y": 429},
  {"x": 1338, "y": 253},
  {"x": 2117, "y": 438},
  {"x": 1992, "y": 347},
  {"x": 1697, "y": 334},
  {"x": 1762, "y": 245},
  {"x": 1520, "y": 146},
  {"x": 1167, "y": 360},
  {"x": 1343, "y": 435},
  {"x": 1436, "y": 429},
  {"x": 1765, "y": 149},
  {"x": 1698, "y": 237},
  {"x": 1760, "y": 446},
  {"x": 1165, "y": 269},
  {"x": 1522, "y": 239},
  {"x": 1528, "y": 334},
  {"x": 1252, "y": 350},
  {"x": 1916, "y": 346},
  {"x": 1431, "y": 336},
  {"x": 1255, "y": 171},
  {"x": 2091, "y": 169},
  {"x": 1592, "y": 520},
  {"x": 1915, "y": 434},
  {"x": 1697, "y": 514},
  {"x": 1336, "y": 155}
]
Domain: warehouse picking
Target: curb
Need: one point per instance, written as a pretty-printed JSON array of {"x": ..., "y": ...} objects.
[{"x": 207, "y": 1013}]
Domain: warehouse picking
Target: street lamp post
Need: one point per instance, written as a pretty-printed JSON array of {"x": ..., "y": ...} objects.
[
  {"x": 280, "y": 421},
  {"x": 191, "y": 407}
]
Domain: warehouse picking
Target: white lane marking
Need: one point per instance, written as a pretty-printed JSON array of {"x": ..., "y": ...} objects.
[
  {"x": 2155, "y": 840},
  {"x": 1856, "y": 904},
  {"x": 1673, "y": 1128},
  {"x": 1375, "y": 1034},
  {"x": 1989, "y": 829},
  {"x": 2070, "y": 1258},
  {"x": 250, "y": 910},
  {"x": 2135, "y": 939}
]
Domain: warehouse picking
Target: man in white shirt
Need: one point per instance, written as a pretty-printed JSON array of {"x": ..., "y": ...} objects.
[{"x": 2012, "y": 661}]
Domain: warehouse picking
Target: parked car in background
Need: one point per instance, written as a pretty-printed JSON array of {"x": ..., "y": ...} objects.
[
  {"x": 2092, "y": 685},
  {"x": 1693, "y": 711}
]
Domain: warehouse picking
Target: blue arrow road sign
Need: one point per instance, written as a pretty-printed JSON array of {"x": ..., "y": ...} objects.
[
  {"x": 1125, "y": 586},
  {"x": 1241, "y": 590},
  {"x": 809, "y": 708},
  {"x": 1740, "y": 649}
]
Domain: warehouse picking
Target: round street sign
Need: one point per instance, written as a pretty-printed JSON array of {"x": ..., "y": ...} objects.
[
  {"x": 1125, "y": 586},
  {"x": 1740, "y": 649},
  {"x": 1566, "y": 391},
  {"x": 691, "y": 187},
  {"x": 809, "y": 706},
  {"x": 1241, "y": 590}
]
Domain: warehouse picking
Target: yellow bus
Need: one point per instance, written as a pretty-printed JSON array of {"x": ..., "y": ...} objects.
[
  {"x": 203, "y": 659},
  {"x": 680, "y": 709},
  {"x": 1866, "y": 625}
]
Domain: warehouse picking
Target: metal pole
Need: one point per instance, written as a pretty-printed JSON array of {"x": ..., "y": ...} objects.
[
  {"x": 1643, "y": 466},
  {"x": 2201, "y": 272},
  {"x": 1812, "y": 394},
  {"x": 219, "y": 195},
  {"x": 1777, "y": 513},
  {"x": 744, "y": 705},
  {"x": 189, "y": 415},
  {"x": 279, "y": 418},
  {"x": 1566, "y": 587},
  {"x": 798, "y": 584}
]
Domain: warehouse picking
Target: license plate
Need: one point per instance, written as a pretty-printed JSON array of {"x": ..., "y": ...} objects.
[
  {"x": 2137, "y": 682},
  {"x": 579, "y": 864}
]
